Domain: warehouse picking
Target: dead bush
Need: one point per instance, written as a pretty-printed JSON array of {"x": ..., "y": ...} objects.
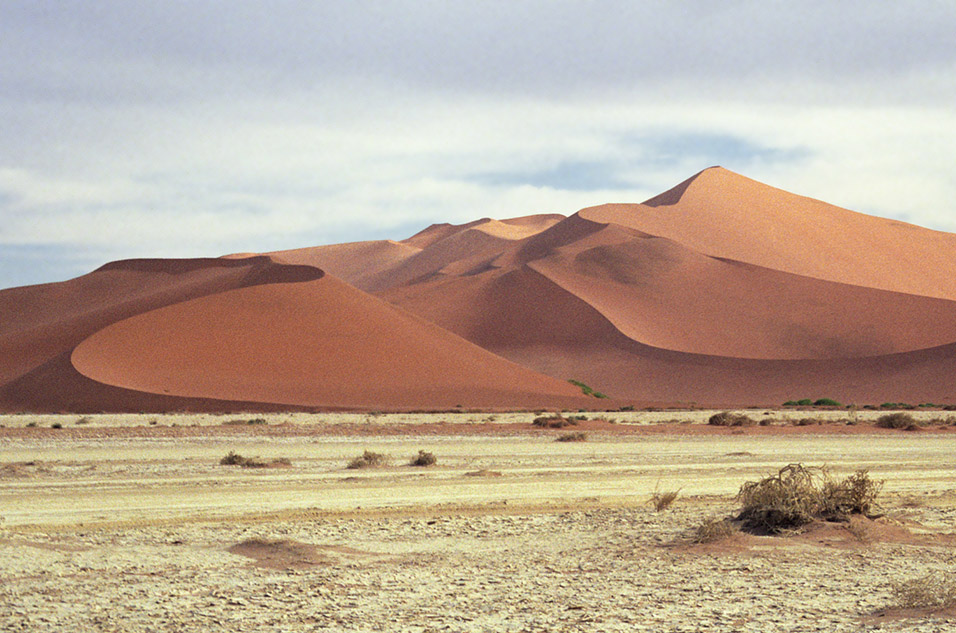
[
  {"x": 796, "y": 496},
  {"x": 235, "y": 459},
  {"x": 899, "y": 420},
  {"x": 780, "y": 502},
  {"x": 368, "y": 459},
  {"x": 232, "y": 458},
  {"x": 713, "y": 530},
  {"x": 726, "y": 418},
  {"x": 576, "y": 436},
  {"x": 424, "y": 458},
  {"x": 663, "y": 500},
  {"x": 855, "y": 494},
  {"x": 935, "y": 591},
  {"x": 552, "y": 422}
]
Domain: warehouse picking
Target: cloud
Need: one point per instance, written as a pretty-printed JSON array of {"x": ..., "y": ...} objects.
[{"x": 193, "y": 129}]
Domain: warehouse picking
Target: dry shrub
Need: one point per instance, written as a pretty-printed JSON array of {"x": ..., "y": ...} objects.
[
  {"x": 552, "y": 422},
  {"x": 855, "y": 494},
  {"x": 780, "y": 502},
  {"x": 795, "y": 496},
  {"x": 897, "y": 420},
  {"x": 577, "y": 436},
  {"x": 713, "y": 530},
  {"x": 726, "y": 418},
  {"x": 235, "y": 459},
  {"x": 232, "y": 458},
  {"x": 935, "y": 591},
  {"x": 424, "y": 458},
  {"x": 368, "y": 459},
  {"x": 663, "y": 500},
  {"x": 242, "y": 422}
]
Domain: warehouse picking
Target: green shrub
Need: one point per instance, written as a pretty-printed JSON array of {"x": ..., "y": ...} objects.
[
  {"x": 826, "y": 402},
  {"x": 805, "y": 402},
  {"x": 586, "y": 390}
]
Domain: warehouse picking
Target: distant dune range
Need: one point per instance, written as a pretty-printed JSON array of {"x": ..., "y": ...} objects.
[{"x": 721, "y": 291}]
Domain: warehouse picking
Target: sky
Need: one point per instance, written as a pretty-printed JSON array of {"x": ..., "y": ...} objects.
[{"x": 198, "y": 128}]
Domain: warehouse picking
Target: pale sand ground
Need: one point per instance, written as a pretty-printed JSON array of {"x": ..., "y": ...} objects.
[{"x": 133, "y": 534}]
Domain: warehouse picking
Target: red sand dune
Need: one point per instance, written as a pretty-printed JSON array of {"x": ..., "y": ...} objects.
[
  {"x": 239, "y": 333},
  {"x": 720, "y": 291},
  {"x": 321, "y": 343}
]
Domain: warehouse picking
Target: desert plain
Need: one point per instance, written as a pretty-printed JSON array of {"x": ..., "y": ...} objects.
[{"x": 132, "y": 523}]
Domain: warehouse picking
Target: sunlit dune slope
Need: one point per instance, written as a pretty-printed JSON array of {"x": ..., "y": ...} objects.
[
  {"x": 321, "y": 343},
  {"x": 721, "y": 213},
  {"x": 241, "y": 332},
  {"x": 721, "y": 289}
]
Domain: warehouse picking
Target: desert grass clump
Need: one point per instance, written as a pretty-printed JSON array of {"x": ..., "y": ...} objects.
[
  {"x": 243, "y": 422},
  {"x": 576, "y": 436},
  {"x": 726, "y": 418},
  {"x": 796, "y": 496},
  {"x": 896, "y": 421},
  {"x": 368, "y": 459},
  {"x": 663, "y": 500},
  {"x": 424, "y": 458},
  {"x": 932, "y": 591},
  {"x": 233, "y": 458},
  {"x": 713, "y": 530},
  {"x": 552, "y": 422}
]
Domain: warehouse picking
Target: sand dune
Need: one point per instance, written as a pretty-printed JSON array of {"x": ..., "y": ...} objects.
[
  {"x": 321, "y": 343},
  {"x": 239, "y": 333},
  {"x": 719, "y": 291},
  {"x": 720, "y": 213}
]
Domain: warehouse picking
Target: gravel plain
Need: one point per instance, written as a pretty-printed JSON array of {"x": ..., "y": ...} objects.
[{"x": 509, "y": 531}]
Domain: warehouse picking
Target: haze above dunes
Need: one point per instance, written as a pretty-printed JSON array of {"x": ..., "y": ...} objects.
[{"x": 719, "y": 291}]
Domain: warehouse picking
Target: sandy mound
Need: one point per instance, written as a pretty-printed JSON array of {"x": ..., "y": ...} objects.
[
  {"x": 319, "y": 343},
  {"x": 280, "y": 553}
]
